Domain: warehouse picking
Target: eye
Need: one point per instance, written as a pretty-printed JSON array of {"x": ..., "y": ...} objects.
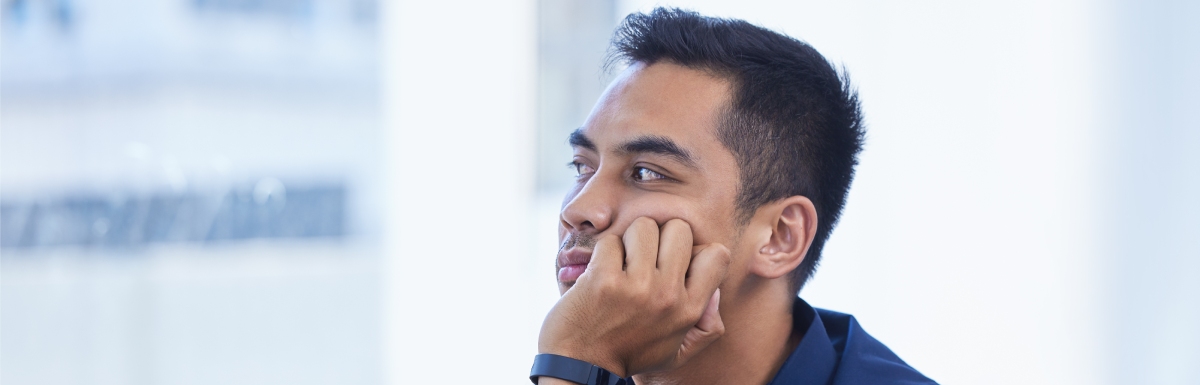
[
  {"x": 581, "y": 169},
  {"x": 645, "y": 174}
]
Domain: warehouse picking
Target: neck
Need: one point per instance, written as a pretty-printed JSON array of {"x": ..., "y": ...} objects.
[{"x": 758, "y": 339}]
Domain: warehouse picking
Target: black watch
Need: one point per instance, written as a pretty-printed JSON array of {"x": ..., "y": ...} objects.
[{"x": 570, "y": 369}]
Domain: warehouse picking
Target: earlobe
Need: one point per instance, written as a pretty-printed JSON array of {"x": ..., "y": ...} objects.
[{"x": 792, "y": 223}]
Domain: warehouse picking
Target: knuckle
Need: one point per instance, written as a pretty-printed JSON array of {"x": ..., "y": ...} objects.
[
  {"x": 611, "y": 240},
  {"x": 640, "y": 293},
  {"x": 718, "y": 329},
  {"x": 671, "y": 297},
  {"x": 661, "y": 306},
  {"x": 719, "y": 254},
  {"x": 687, "y": 319},
  {"x": 665, "y": 301},
  {"x": 641, "y": 226},
  {"x": 722, "y": 250},
  {"x": 652, "y": 296},
  {"x": 677, "y": 228},
  {"x": 677, "y": 224},
  {"x": 719, "y": 251}
]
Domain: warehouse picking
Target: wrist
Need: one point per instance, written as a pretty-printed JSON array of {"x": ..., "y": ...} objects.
[
  {"x": 592, "y": 356},
  {"x": 555, "y": 369}
]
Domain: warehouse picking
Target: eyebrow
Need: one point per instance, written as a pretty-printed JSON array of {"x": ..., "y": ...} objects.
[
  {"x": 578, "y": 139},
  {"x": 650, "y": 144},
  {"x": 653, "y": 144}
]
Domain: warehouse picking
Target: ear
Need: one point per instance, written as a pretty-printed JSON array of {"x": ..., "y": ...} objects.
[{"x": 787, "y": 228}]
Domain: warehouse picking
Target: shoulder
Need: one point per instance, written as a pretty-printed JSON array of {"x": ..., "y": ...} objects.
[{"x": 865, "y": 360}]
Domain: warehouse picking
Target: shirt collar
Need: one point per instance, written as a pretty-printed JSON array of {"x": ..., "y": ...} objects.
[{"x": 815, "y": 358}]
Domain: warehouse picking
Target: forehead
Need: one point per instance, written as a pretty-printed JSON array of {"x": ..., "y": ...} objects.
[{"x": 662, "y": 99}]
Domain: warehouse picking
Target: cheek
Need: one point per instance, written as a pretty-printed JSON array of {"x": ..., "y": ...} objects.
[
  {"x": 712, "y": 228},
  {"x": 713, "y": 223},
  {"x": 708, "y": 226},
  {"x": 660, "y": 210}
]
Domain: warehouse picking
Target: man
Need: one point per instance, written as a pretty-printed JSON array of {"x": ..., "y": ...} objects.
[{"x": 710, "y": 174}]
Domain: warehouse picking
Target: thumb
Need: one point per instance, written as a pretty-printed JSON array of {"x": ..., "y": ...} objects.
[{"x": 708, "y": 329}]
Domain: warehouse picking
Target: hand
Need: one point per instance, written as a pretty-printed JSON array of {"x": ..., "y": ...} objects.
[{"x": 646, "y": 302}]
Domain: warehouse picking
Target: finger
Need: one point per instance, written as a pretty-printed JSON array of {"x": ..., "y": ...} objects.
[
  {"x": 607, "y": 257},
  {"x": 641, "y": 246},
  {"x": 706, "y": 272},
  {"x": 675, "y": 249},
  {"x": 705, "y": 332}
]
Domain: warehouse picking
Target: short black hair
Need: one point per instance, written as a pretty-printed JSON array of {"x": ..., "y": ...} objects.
[{"x": 794, "y": 123}]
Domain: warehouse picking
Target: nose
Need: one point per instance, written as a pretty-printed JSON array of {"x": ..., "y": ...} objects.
[{"x": 592, "y": 207}]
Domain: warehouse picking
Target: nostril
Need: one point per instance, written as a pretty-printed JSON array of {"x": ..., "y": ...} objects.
[{"x": 587, "y": 224}]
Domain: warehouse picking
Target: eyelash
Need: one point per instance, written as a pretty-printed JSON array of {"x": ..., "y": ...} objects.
[
  {"x": 637, "y": 171},
  {"x": 579, "y": 168}
]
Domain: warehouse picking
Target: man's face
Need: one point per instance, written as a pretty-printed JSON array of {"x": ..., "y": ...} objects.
[{"x": 650, "y": 148}]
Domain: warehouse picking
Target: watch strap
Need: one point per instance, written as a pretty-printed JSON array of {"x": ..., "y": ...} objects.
[{"x": 570, "y": 369}]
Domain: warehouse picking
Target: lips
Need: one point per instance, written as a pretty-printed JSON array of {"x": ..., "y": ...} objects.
[{"x": 572, "y": 263}]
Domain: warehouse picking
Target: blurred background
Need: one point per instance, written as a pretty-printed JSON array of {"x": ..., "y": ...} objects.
[{"x": 366, "y": 191}]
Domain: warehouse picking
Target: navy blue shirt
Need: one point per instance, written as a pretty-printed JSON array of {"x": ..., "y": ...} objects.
[{"x": 835, "y": 350}]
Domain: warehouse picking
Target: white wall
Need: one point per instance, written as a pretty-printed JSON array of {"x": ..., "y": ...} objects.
[
  {"x": 459, "y": 101},
  {"x": 1151, "y": 232}
]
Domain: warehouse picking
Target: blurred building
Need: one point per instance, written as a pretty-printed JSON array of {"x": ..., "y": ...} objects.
[{"x": 189, "y": 191}]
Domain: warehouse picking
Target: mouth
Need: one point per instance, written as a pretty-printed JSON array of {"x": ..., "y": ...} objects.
[{"x": 572, "y": 263}]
